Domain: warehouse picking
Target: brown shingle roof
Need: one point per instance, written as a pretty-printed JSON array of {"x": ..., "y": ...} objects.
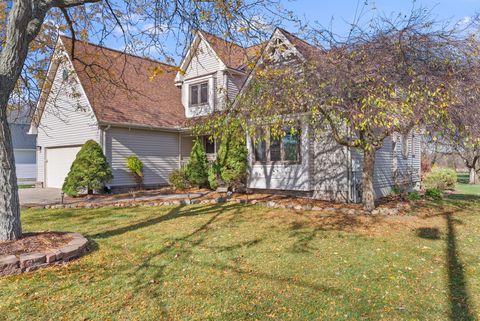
[
  {"x": 122, "y": 88},
  {"x": 231, "y": 54}
]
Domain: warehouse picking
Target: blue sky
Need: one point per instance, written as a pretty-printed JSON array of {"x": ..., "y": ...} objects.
[
  {"x": 344, "y": 10},
  {"x": 339, "y": 13}
]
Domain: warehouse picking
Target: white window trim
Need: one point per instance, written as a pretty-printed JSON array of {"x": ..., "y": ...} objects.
[{"x": 211, "y": 91}]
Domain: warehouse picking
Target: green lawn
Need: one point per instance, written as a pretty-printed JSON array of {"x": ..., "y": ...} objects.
[
  {"x": 234, "y": 262},
  {"x": 465, "y": 188},
  {"x": 22, "y": 186}
]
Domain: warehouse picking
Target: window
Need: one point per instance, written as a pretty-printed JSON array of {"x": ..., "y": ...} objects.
[
  {"x": 291, "y": 146},
  {"x": 260, "y": 147},
  {"x": 275, "y": 150},
  {"x": 209, "y": 146},
  {"x": 199, "y": 94},
  {"x": 285, "y": 149}
]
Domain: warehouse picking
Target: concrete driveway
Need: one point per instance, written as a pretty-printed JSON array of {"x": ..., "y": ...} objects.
[{"x": 40, "y": 196}]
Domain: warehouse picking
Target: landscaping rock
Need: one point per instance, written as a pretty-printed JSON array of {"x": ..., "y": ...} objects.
[
  {"x": 9, "y": 264},
  {"x": 50, "y": 257},
  {"x": 31, "y": 259},
  {"x": 69, "y": 252},
  {"x": 307, "y": 207}
]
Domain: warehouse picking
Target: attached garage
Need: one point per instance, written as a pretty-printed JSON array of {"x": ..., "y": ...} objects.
[{"x": 57, "y": 164}]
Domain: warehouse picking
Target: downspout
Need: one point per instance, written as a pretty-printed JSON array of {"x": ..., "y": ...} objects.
[
  {"x": 179, "y": 150},
  {"x": 103, "y": 133},
  {"x": 349, "y": 175}
]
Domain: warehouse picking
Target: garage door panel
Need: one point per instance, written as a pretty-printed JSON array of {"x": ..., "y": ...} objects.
[{"x": 58, "y": 163}]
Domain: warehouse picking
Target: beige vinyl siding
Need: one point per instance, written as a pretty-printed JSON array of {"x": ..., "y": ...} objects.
[
  {"x": 157, "y": 150},
  {"x": 67, "y": 120}
]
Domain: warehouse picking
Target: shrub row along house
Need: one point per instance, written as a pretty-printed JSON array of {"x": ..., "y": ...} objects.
[{"x": 136, "y": 106}]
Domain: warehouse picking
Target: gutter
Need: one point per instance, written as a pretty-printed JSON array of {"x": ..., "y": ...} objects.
[{"x": 145, "y": 127}]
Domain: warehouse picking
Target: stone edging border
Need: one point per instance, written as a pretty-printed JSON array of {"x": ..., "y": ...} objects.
[
  {"x": 12, "y": 264},
  {"x": 271, "y": 204}
]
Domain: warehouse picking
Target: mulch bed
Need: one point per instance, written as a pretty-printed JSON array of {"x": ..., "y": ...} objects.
[{"x": 35, "y": 242}]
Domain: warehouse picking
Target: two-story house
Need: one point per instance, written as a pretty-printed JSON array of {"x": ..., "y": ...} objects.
[{"x": 137, "y": 106}]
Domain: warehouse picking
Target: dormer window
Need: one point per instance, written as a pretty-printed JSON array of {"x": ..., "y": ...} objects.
[{"x": 199, "y": 94}]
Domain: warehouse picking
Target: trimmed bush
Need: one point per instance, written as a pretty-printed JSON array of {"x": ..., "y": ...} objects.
[
  {"x": 213, "y": 176},
  {"x": 434, "y": 194},
  {"x": 230, "y": 167},
  {"x": 135, "y": 166},
  {"x": 178, "y": 179},
  {"x": 441, "y": 179},
  {"x": 89, "y": 171},
  {"x": 197, "y": 167}
]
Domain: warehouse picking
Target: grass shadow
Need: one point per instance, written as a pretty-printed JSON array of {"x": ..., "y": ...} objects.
[
  {"x": 428, "y": 233},
  {"x": 460, "y": 308}
]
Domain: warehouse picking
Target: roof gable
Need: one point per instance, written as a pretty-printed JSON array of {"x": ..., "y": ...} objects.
[
  {"x": 231, "y": 55},
  {"x": 125, "y": 89}
]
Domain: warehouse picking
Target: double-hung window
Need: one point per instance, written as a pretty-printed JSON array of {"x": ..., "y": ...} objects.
[
  {"x": 199, "y": 94},
  {"x": 284, "y": 149}
]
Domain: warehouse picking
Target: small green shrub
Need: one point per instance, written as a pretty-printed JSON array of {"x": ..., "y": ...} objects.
[
  {"x": 89, "y": 171},
  {"x": 178, "y": 179},
  {"x": 441, "y": 179},
  {"x": 434, "y": 194},
  {"x": 135, "y": 166},
  {"x": 213, "y": 175},
  {"x": 413, "y": 196},
  {"x": 197, "y": 167},
  {"x": 230, "y": 167}
]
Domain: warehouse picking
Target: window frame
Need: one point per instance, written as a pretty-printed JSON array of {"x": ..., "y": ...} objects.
[
  {"x": 198, "y": 85},
  {"x": 267, "y": 140}
]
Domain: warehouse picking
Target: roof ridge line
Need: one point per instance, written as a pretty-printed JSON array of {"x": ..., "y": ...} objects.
[{"x": 120, "y": 52}]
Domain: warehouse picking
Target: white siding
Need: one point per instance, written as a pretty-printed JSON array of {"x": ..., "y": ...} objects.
[
  {"x": 409, "y": 165},
  {"x": 388, "y": 158},
  {"x": 234, "y": 84},
  {"x": 204, "y": 62},
  {"x": 281, "y": 176},
  {"x": 157, "y": 150},
  {"x": 204, "y": 66},
  {"x": 330, "y": 168},
  {"x": 67, "y": 119},
  {"x": 187, "y": 144}
]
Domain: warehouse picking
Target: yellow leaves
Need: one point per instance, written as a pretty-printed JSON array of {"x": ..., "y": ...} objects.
[{"x": 158, "y": 70}]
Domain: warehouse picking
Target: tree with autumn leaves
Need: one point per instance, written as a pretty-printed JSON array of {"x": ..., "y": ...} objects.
[{"x": 395, "y": 76}]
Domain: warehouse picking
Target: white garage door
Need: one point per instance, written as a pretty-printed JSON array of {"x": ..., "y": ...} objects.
[{"x": 58, "y": 164}]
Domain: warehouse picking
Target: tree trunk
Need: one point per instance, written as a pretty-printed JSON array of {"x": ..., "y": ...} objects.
[
  {"x": 21, "y": 30},
  {"x": 368, "y": 194},
  {"x": 10, "y": 226},
  {"x": 473, "y": 176}
]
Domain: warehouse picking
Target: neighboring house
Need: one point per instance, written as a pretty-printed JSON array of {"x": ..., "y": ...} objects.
[
  {"x": 24, "y": 147},
  {"x": 130, "y": 112}
]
